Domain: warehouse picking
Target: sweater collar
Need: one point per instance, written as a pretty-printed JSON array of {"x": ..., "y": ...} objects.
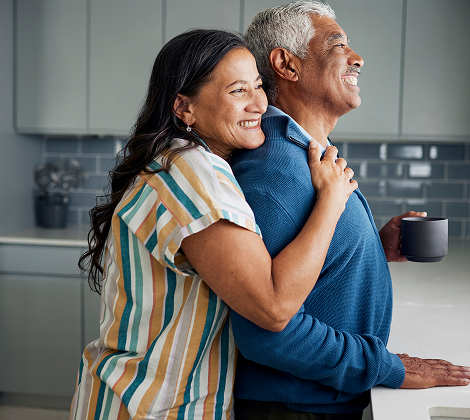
[{"x": 274, "y": 120}]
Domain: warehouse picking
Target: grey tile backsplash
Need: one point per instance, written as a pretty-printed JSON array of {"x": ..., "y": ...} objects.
[{"x": 395, "y": 177}]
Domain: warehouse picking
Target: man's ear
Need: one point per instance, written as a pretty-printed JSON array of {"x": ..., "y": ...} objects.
[
  {"x": 183, "y": 110},
  {"x": 284, "y": 64}
]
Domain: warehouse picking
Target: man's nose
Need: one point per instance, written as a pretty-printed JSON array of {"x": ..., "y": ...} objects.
[{"x": 355, "y": 59}]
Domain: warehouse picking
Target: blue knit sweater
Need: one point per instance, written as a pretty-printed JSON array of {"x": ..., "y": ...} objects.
[{"x": 334, "y": 349}]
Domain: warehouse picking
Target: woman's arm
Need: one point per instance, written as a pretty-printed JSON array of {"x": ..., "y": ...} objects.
[{"x": 235, "y": 264}]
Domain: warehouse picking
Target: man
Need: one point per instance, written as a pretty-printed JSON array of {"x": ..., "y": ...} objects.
[{"x": 334, "y": 349}]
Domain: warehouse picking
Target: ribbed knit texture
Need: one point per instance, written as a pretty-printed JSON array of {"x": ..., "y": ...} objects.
[{"x": 334, "y": 349}]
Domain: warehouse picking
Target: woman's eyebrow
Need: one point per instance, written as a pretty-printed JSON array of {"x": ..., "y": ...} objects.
[{"x": 242, "y": 82}]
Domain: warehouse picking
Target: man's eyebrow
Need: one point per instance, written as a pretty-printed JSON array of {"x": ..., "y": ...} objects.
[
  {"x": 242, "y": 82},
  {"x": 335, "y": 37}
]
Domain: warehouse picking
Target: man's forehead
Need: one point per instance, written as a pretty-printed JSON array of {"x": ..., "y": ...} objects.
[{"x": 328, "y": 29}]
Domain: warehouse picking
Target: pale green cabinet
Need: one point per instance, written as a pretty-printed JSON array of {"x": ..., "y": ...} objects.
[
  {"x": 51, "y": 66},
  {"x": 47, "y": 316},
  {"x": 437, "y": 59},
  {"x": 83, "y": 66},
  {"x": 182, "y": 15},
  {"x": 125, "y": 38}
]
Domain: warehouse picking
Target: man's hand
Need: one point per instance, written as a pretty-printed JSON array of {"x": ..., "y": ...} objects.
[
  {"x": 390, "y": 236},
  {"x": 428, "y": 373}
]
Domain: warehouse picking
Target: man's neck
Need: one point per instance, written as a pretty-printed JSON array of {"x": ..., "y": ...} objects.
[{"x": 315, "y": 120}]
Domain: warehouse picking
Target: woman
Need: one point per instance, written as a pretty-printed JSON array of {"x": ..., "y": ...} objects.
[{"x": 176, "y": 216}]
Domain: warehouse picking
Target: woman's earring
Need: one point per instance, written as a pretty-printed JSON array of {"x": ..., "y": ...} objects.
[{"x": 188, "y": 128}]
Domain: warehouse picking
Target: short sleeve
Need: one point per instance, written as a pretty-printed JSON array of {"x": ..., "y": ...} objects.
[{"x": 164, "y": 208}]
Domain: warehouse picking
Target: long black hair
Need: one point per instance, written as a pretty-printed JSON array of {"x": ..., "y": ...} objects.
[{"x": 182, "y": 66}]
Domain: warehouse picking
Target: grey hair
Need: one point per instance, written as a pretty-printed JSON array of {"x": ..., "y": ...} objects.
[{"x": 288, "y": 26}]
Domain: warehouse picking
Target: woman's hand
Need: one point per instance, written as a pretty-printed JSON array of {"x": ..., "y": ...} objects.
[
  {"x": 236, "y": 265},
  {"x": 390, "y": 235},
  {"x": 330, "y": 176}
]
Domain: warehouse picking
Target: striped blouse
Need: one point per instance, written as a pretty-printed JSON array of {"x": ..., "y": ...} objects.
[{"x": 166, "y": 349}]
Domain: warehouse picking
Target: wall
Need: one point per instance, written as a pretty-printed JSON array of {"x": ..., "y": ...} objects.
[
  {"x": 18, "y": 154},
  {"x": 395, "y": 177}
]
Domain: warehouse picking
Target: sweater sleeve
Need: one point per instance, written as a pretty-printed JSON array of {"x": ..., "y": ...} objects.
[
  {"x": 310, "y": 349},
  {"x": 307, "y": 347}
]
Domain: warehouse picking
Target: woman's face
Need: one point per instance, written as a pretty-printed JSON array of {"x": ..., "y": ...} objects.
[{"x": 227, "y": 111}]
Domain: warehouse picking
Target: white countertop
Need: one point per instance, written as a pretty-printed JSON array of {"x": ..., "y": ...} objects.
[
  {"x": 431, "y": 319},
  {"x": 71, "y": 236}
]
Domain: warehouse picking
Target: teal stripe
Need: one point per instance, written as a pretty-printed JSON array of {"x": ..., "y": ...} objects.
[
  {"x": 144, "y": 193},
  {"x": 140, "y": 376},
  {"x": 139, "y": 295},
  {"x": 143, "y": 365},
  {"x": 152, "y": 241},
  {"x": 80, "y": 372},
  {"x": 180, "y": 194},
  {"x": 161, "y": 210},
  {"x": 224, "y": 355},
  {"x": 207, "y": 336},
  {"x": 229, "y": 175},
  {"x": 129, "y": 205},
  {"x": 127, "y": 274},
  {"x": 109, "y": 402},
  {"x": 170, "y": 297},
  {"x": 99, "y": 403}
]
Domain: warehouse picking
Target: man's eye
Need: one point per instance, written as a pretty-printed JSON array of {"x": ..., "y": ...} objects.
[
  {"x": 340, "y": 45},
  {"x": 237, "y": 90}
]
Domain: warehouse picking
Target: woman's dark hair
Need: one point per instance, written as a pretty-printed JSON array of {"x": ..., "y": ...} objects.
[{"x": 182, "y": 66}]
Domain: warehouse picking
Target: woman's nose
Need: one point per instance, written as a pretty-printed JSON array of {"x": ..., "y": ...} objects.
[{"x": 258, "y": 102}]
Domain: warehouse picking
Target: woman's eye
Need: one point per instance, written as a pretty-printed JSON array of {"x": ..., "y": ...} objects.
[
  {"x": 260, "y": 86},
  {"x": 237, "y": 90}
]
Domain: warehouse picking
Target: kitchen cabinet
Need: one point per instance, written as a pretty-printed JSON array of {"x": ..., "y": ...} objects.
[
  {"x": 51, "y": 83},
  {"x": 83, "y": 66},
  {"x": 46, "y": 315},
  {"x": 125, "y": 38},
  {"x": 183, "y": 15},
  {"x": 374, "y": 28},
  {"x": 436, "y": 93}
]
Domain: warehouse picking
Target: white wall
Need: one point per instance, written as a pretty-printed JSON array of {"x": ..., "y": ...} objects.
[{"x": 18, "y": 154}]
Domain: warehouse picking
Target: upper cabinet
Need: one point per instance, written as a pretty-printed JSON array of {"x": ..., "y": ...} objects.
[
  {"x": 125, "y": 38},
  {"x": 374, "y": 28},
  {"x": 83, "y": 66},
  {"x": 187, "y": 14},
  {"x": 51, "y": 82},
  {"x": 437, "y": 59}
]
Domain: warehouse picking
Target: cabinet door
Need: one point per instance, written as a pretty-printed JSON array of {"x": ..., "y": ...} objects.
[
  {"x": 126, "y": 36},
  {"x": 51, "y": 83},
  {"x": 436, "y": 64},
  {"x": 374, "y": 28},
  {"x": 183, "y": 15},
  {"x": 40, "y": 334}
]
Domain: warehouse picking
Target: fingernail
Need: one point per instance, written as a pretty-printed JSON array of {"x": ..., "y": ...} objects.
[{"x": 313, "y": 143}]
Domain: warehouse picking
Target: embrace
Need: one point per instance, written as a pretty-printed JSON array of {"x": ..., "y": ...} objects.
[{"x": 240, "y": 270}]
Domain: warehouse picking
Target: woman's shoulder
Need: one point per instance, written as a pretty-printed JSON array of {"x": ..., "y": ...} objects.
[{"x": 195, "y": 167}]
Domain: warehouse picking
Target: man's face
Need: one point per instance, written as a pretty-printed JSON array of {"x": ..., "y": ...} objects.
[{"x": 330, "y": 71}]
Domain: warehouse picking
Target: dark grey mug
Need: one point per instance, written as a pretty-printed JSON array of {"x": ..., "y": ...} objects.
[{"x": 424, "y": 239}]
